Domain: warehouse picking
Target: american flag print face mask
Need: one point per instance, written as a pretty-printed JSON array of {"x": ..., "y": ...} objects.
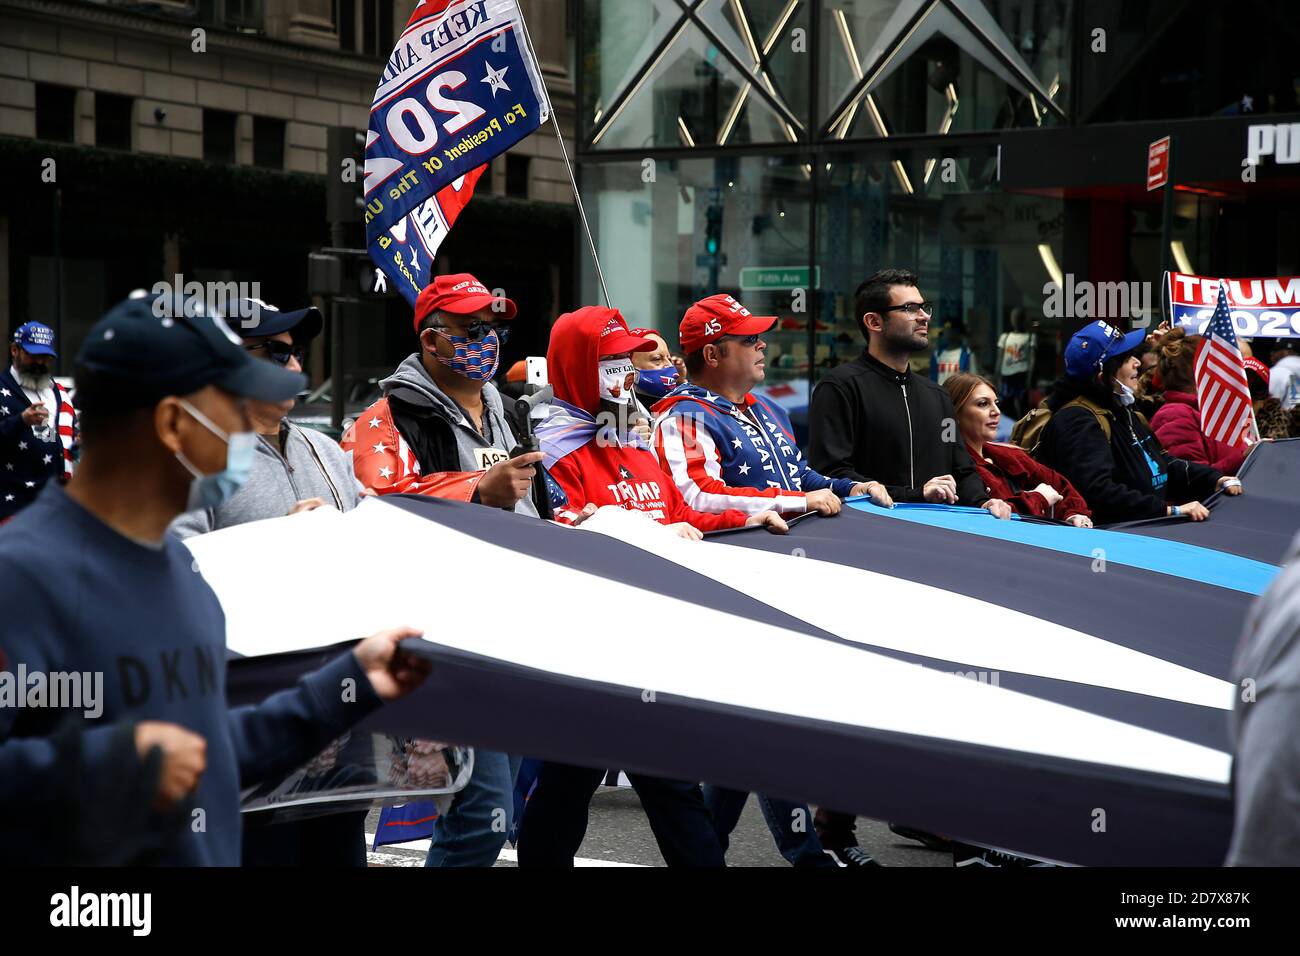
[{"x": 475, "y": 359}]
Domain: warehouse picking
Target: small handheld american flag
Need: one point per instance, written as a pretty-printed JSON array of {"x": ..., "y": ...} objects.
[{"x": 1221, "y": 386}]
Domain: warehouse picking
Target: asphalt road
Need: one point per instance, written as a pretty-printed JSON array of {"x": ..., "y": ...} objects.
[{"x": 618, "y": 834}]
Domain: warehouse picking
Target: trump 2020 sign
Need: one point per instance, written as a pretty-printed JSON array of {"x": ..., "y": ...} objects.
[{"x": 462, "y": 85}]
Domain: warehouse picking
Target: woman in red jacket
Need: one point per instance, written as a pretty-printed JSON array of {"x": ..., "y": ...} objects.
[
  {"x": 1177, "y": 423},
  {"x": 1007, "y": 471},
  {"x": 594, "y": 440}
]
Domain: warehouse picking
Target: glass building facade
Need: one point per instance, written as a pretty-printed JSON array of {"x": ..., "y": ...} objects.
[{"x": 783, "y": 150}]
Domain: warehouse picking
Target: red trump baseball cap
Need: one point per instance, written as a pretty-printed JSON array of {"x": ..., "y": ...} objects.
[
  {"x": 459, "y": 294},
  {"x": 710, "y": 319}
]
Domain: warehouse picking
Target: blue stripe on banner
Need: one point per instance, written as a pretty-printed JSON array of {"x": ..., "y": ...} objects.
[{"x": 1155, "y": 554}]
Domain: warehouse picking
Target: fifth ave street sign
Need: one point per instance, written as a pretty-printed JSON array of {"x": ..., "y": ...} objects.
[{"x": 756, "y": 278}]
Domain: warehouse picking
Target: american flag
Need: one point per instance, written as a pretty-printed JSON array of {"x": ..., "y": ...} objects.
[{"x": 1221, "y": 387}]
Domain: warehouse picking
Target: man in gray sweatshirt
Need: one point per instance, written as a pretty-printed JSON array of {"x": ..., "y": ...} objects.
[{"x": 294, "y": 469}]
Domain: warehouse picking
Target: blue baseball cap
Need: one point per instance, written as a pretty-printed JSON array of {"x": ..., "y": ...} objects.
[
  {"x": 35, "y": 338},
  {"x": 1094, "y": 343},
  {"x": 253, "y": 318},
  {"x": 147, "y": 357}
]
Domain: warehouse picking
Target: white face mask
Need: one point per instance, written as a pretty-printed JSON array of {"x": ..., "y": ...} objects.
[
  {"x": 617, "y": 376},
  {"x": 1124, "y": 393}
]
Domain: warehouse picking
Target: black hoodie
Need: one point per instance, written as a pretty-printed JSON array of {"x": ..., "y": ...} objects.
[{"x": 870, "y": 423}]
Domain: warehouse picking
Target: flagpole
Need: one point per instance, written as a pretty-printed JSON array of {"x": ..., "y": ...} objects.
[
  {"x": 564, "y": 152},
  {"x": 582, "y": 213}
]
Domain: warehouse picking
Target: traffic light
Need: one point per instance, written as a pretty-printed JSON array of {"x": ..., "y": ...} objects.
[
  {"x": 345, "y": 149},
  {"x": 712, "y": 229}
]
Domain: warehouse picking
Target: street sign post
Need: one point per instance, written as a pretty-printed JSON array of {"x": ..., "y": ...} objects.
[
  {"x": 1160, "y": 174},
  {"x": 776, "y": 278}
]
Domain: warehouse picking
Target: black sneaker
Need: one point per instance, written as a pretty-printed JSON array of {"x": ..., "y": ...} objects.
[
  {"x": 929, "y": 840},
  {"x": 852, "y": 856}
]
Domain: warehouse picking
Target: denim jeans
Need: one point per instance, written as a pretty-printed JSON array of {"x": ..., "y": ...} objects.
[
  {"x": 473, "y": 830},
  {"x": 798, "y": 843}
]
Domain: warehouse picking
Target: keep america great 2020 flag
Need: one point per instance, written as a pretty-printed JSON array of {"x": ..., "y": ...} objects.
[{"x": 462, "y": 85}]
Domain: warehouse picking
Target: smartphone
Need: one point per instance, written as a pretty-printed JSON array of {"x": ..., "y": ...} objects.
[
  {"x": 535, "y": 371},
  {"x": 535, "y": 376}
]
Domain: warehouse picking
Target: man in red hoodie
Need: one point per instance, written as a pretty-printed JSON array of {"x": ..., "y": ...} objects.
[{"x": 595, "y": 441}]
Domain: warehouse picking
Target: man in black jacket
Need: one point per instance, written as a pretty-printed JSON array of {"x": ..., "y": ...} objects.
[{"x": 873, "y": 419}]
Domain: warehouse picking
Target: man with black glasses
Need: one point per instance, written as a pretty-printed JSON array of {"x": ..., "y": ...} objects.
[
  {"x": 294, "y": 469},
  {"x": 873, "y": 418}
]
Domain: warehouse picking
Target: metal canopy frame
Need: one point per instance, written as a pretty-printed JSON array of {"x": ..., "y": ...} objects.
[
  {"x": 688, "y": 14},
  {"x": 815, "y": 133}
]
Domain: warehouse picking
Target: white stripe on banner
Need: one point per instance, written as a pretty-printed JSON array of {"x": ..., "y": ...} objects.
[
  {"x": 988, "y": 636},
  {"x": 704, "y": 654}
]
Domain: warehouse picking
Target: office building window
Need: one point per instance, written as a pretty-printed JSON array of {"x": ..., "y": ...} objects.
[
  {"x": 113, "y": 121},
  {"x": 268, "y": 142},
  {"x": 365, "y": 26},
  {"x": 219, "y": 136},
  {"x": 55, "y": 112},
  {"x": 517, "y": 175}
]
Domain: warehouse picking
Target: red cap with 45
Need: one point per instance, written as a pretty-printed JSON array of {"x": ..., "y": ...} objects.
[{"x": 710, "y": 319}]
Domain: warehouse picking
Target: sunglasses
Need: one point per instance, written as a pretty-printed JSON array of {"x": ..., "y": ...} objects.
[
  {"x": 478, "y": 330},
  {"x": 912, "y": 308},
  {"x": 748, "y": 341},
  {"x": 280, "y": 352}
]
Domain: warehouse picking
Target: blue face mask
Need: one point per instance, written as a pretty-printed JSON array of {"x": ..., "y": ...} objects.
[
  {"x": 656, "y": 382},
  {"x": 210, "y": 491}
]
